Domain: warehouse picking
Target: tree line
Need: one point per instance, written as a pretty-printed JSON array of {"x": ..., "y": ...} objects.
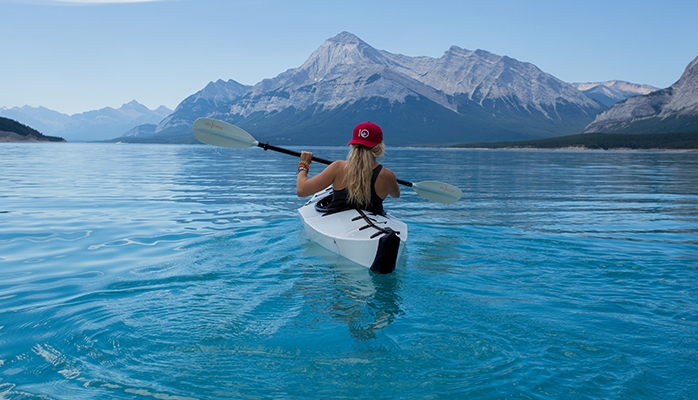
[
  {"x": 602, "y": 141},
  {"x": 10, "y": 125}
]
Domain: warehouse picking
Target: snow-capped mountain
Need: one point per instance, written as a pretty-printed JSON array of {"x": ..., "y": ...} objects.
[
  {"x": 674, "y": 109},
  {"x": 462, "y": 96},
  {"x": 102, "y": 124},
  {"x": 481, "y": 76},
  {"x": 344, "y": 69},
  {"x": 611, "y": 92}
]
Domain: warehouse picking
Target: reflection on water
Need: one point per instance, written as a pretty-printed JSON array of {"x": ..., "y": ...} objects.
[{"x": 364, "y": 301}]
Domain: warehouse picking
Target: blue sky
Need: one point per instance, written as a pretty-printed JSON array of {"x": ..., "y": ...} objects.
[{"x": 75, "y": 56}]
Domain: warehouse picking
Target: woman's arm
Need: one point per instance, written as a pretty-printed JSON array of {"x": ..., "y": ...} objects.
[
  {"x": 388, "y": 183},
  {"x": 306, "y": 186},
  {"x": 394, "y": 187}
]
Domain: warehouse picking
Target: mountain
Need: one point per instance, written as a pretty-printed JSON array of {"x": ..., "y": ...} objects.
[
  {"x": 674, "y": 109},
  {"x": 610, "y": 92},
  {"x": 41, "y": 118},
  {"x": 214, "y": 95},
  {"x": 13, "y": 131},
  {"x": 462, "y": 96},
  {"x": 108, "y": 122},
  {"x": 96, "y": 125},
  {"x": 141, "y": 130}
]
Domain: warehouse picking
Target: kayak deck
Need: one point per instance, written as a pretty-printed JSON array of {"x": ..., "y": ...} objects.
[{"x": 372, "y": 240}]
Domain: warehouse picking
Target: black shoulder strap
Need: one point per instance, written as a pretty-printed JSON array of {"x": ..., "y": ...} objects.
[{"x": 376, "y": 172}]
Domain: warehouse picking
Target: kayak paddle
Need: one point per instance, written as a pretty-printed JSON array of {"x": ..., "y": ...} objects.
[{"x": 222, "y": 134}]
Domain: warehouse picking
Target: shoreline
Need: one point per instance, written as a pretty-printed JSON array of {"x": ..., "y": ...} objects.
[
  {"x": 568, "y": 148},
  {"x": 12, "y": 137},
  {"x": 580, "y": 148}
]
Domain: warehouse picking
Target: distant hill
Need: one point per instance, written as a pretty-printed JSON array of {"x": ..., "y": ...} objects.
[
  {"x": 674, "y": 109},
  {"x": 603, "y": 141},
  {"x": 462, "y": 96},
  {"x": 611, "y": 92},
  {"x": 13, "y": 131},
  {"x": 96, "y": 125},
  {"x": 48, "y": 121}
]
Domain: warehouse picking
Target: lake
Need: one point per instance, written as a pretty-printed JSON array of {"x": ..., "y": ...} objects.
[{"x": 180, "y": 272}]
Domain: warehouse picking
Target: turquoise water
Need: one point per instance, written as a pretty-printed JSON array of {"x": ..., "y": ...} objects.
[{"x": 171, "y": 272}]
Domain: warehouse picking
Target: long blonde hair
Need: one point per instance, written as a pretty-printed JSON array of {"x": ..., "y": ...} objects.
[{"x": 359, "y": 170}]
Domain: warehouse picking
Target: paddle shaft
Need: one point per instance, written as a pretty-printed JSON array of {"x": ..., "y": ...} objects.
[
  {"x": 267, "y": 146},
  {"x": 223, "y": 134}
]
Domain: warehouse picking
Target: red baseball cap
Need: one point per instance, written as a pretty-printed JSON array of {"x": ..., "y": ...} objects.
[{"x": 367, "y": 134}]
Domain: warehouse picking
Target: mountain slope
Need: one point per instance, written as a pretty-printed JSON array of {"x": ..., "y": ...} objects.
[
  {"x": 503, "y": 94},
  {"x": 13, "y": 131},
  {"x": 674, "y": 109},
  {"x": 462, "y": 96},
  {"x": 201, "y": 103},
  {"x": 480, "y": 75}
]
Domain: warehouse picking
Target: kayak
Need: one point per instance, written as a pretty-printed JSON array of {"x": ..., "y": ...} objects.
[{"x": 366, "y": 238}]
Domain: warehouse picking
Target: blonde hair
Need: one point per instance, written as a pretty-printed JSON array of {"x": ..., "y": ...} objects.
[{"x": 359, "y": 170}]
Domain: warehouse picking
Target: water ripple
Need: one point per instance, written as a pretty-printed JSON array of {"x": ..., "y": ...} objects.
[{"x": 171, "y": 272}]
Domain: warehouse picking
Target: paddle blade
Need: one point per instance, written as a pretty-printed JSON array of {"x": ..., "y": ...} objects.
[
  {"x": 223, "y": 134},
  {"x": 438, "y": 191}
]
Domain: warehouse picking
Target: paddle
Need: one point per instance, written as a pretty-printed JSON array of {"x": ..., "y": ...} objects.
[{"x": 223, "y": 134}]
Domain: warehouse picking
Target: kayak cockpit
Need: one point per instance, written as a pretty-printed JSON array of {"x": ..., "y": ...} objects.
[{"x": 367, "y": 238}]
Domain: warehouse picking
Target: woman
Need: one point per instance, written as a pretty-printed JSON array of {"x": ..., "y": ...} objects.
[{"x": 357, "y": 182}]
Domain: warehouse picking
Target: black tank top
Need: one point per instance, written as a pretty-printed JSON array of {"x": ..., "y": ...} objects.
[{"x": 340, "y": 197}]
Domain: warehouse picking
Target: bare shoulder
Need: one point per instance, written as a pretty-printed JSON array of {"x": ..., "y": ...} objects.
[
  {"x": 339, "y": 164},
  {"x": 387, "y": 173},
  {"x": 388, "y": 183},
  {"x": 335, "y": 169}
]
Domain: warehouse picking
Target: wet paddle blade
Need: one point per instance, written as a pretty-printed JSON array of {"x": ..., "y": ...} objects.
[
  {"x": 223, "y": 134},
  {"x": 439, "y": 192}
]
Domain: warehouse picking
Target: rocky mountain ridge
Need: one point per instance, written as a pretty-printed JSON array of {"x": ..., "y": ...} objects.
[
  {"x": 462, "y": 96},
  {"x": 674, "y": 109},
  {"x": 212, "y": 96}
]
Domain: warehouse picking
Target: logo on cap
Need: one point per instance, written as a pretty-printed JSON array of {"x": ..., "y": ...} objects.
[{"x": 367, "y": 134}]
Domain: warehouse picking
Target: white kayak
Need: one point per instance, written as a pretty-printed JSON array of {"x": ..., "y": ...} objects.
[{"x": 369, "y": 239}]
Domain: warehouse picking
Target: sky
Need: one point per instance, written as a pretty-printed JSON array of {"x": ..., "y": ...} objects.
[{"x": 80, "y": 55}]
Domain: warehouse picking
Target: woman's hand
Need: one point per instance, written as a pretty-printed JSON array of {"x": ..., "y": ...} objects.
[
  {"x": 306, "y": 157},
  {"x": 306, "y": 186},
  {"x": 304, "y": 164}
]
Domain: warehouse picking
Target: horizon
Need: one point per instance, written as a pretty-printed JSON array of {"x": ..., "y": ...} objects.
[{"x": 89, "y": 54}]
